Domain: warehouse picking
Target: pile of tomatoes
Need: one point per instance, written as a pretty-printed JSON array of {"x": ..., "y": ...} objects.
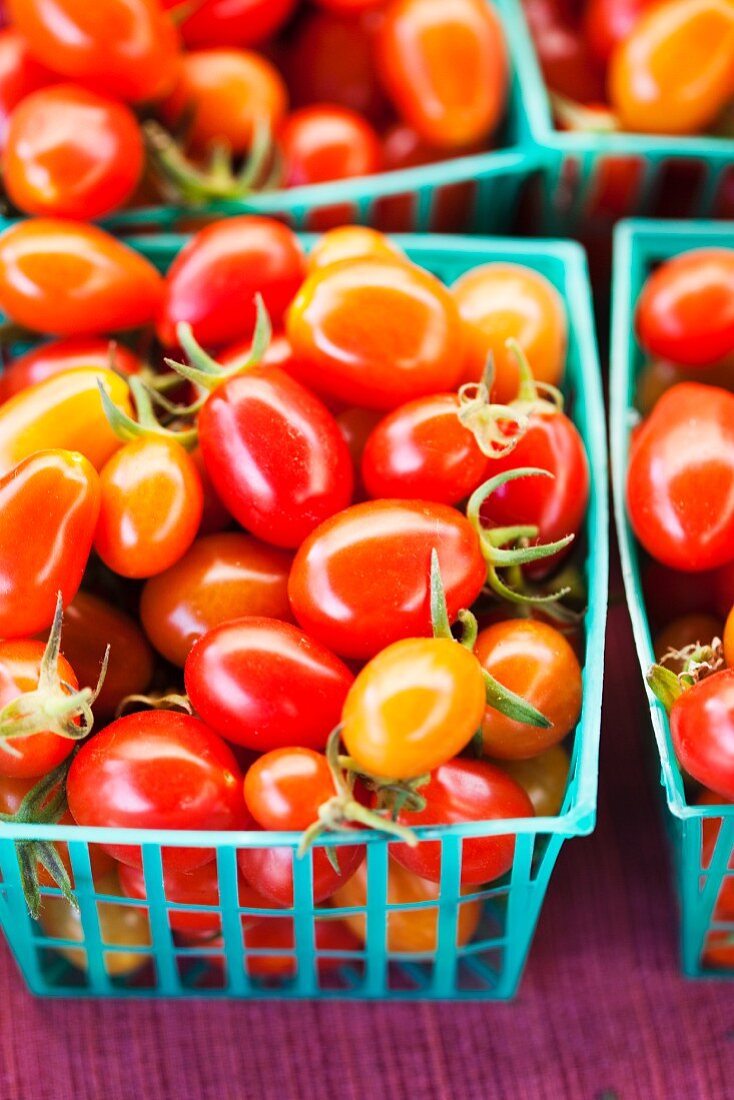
[
  {"x": 130, "y": 102},
  {"x": 331, "y": 566}
]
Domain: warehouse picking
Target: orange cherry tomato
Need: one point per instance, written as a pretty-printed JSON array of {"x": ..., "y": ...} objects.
[
  {"x": 20, "y": 74},
  {"x": 535, "y": 661},
  {"x": 57, "y": 356},
  {"x": 49, "y": 505},
  {"x": 673, "y": 73},
  {"x": 444, "y": 65},
  {"x": 229, "y": 92},
  {"x": 124, "y": 48},
  {"x": 411, "y": 928},
  {"x": 284, "y": 788},
  {"x": 71, "y": 153},
  {"x": 544, "y": 778},
  {"x": 376, "y": 332},
  {"x": 151, "y": 507},
  {"x": 70, "y": 279},
  {"x": 351, "y": 242},
  {"x": 221, "y": 577},
  {"x": 501, "y": 301},
  {"x": 64, "y": 413},
  {"x": 688, "y": 630}
]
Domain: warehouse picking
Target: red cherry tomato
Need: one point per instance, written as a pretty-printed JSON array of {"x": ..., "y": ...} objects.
[
  {"x": 57, "y": 356},
  {"x": 567, "y": 63},
  {"x": 213, "y": 281},
  {"x": 361, "y": 580},
  {"x": 157, "y": 770},
  {"x": 680, "y": 480},
  {"x": 275, "y": 455},
  {"x": 608, "y": 22},
  {"x": 71, "y": 279},
  {"x": 685, "y": 312},
  {"x": 444, "y": 65},
  {"x": 20, "y": 669},
  {"x": 421, "y": 451},
  {"x": 284, "y": 788},
  {"x": 376, "y": 333},
  {"x": 20, "y": 74},
  {"x": 265, "y": 684},
  {"x": 321, "y": 143},
  {"x": 123, "y": 48},
  {"x": 277, "y": 934},
  {"x": 702, "y": 730},
  {"x": 270, "y": 870},
  {"x": 71, "y": 153},
  {"x": 232, "y": 22},
  {"x": 466, "y": 790},
  {"x": 48, "y": 505}
]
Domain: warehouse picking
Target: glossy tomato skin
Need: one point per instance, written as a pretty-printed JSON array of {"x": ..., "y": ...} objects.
[
  {"x": 351, "y": 242},
  {"x": 680, "y": 479},
  {"x": 466, "y": 790},
  {"x": 20, "y": 669},
  {"x": 20, "y": 74},
  {"x": 685, "y": 312},
  {"x": 213, "y": 281},
  {"x": 361, "y": 580},
  {"x": 284, "y": 788},
  {"x": 70, "y": 279},
  {"x": 124, "y": 48},
  {"x": 270, "y": 871},
  {"x": 534, "y": 660},
  {"x": 265, "y": 684},
  {"x": 71, "y": 153},
  {"x": 232, "y": 22},
  {"x": 321, "y": 143},
  {"x": 157, "y": 770},
  {"x": 57, "y": 356},
  {"x": 702, "y": 730},
  {"x": 422, "y": 451},
  {"x": 444, "y": 66},
  {"x": 275, "y": 455},
  {"x": 376, "y": 333},
  {"x": 50, "y": 501},
  {"x": 151, "y": 507},
  {"x": 222, "y": 577}
]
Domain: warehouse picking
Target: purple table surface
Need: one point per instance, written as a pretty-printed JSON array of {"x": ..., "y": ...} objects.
[{"x": 602, "y": 1013}]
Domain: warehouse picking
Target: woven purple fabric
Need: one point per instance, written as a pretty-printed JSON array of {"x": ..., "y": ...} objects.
[{"x": 602, "y": 1012}]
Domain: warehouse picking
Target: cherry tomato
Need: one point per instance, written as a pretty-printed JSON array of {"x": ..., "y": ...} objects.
[
  {"x": 422, "y": 451},
  {"x": 686, "y": 309},
  {"x": 694, "y": 629},
  {"x": 466, "y": 790},
  {"x": 230, "y": 92},
  {"x": 444, "y": 65},
  {"x": 222, "y": 577},
  {"x": 609, "y": 22},
  {"x": 48, "y": 506},
  {"x": 376, "y": 333},
  {"x": 285, "y": 787},
  {"x": 534, "y": 660},
  {"x": 270, "y": 870},
  {"x": 90, "y": 625},
  {"x": 57, "y": 356},
  {"x": 275, "y": 455},
  {"x": 20, "y": 74},
  {"x": 71, "y": 153},
  {"x": 680, "y": 480},
  {"x": 724, "y": 909},
  {"x": 672, "y": 74},
  {"x": 231, "y": 22},
  {"x": 265, "y": 684},
  {"x": 124, "y": 48},
  {"x": 566, "y": 61},
  {"x": 502, "y": 301},
  {"x": 71, "y": 279},
  {"x": 361, "y": 580},
  {"x": 157, "y": 770},
  {"x": 410, "y": 929},
  {"x": 544, "y": 779},
  {"x": 213, "y": 281},
  {"x": 351, "y": 242},
  {"x": 65, "y": 413},
  {"x": 321, "y": 143},
  {"x": 151, "y": 507},
  {"x": 414, "y": 706},
  {"x": 277, "y": 934},
  {"x": 718, "y": 952},
  {"x": 20, "y": 670},
  {"x": 702, "y": 731}
]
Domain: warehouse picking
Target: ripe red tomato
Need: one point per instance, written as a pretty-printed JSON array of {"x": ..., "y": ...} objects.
[
  {"x": 270, "y": 870},
  {"x": 466, "y": 790},
  {"x": 566, "y": 61},
  {"x": 232, "y": 22},
  {"x": 608, "y": 22},
  {"x": 361, "y": 580},
  {"x": 421, "y": 451},
  {"x": 265, "y": 684},
  {"x": 444, "y": 65},
  {"x": 157, "y": 770},
  {"x": 20, "y": 74},
  {"x": 37, "y": 753},
  {"x": 213, "y": 281},
  {"x": 70, "y": 153},
  {"x": 702, "y": 730},
  {"x": 278, "y": 934},
  {"x": 124, "y": 48},
  {"x": 58, "y": 356},
  {"x": 680, "y": 480},
  {"x": 67, "y": 278},
  {"x": 275, "y": 455},
  {"x": 284, "y": 788},
  {"x": 376, "y": 333},
  {"x": 52, "y": 498},
  {"x": 685, "y": 312},
  {"x": 321, "y": 143}
]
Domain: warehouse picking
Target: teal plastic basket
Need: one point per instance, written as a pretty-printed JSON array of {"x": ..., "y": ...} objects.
[
  {"x": 488, "y": 967},
  {"x": 638, "y": 247},
  {"x": 482, "y": 189}
]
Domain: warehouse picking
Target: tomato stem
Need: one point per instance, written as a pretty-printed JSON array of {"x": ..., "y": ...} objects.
[
  {"x": 497, "y": 429},
  {"x": 146, "y": 425},
  {"x": 533, "y": 395},
  {"x": 205, "y": 371},
  {"x": 700, "y": 661},
  {"x": 511, "y": 705}
]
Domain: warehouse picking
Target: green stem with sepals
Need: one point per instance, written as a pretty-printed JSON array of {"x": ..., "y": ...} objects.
[
  {"x": 700, "y": 661},
  {"x": 497, "y": 429},
  {"x": 205, "y": 371},
  {"x": 147, "y": 424}
]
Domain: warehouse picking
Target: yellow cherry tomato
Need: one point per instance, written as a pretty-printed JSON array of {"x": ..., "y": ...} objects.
[{"x": 543, "y": 778}]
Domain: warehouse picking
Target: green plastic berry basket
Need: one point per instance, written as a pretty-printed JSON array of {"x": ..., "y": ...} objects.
[
  {"x": 491, "y": 964},
  {"x": 473, "y": 194},
  {"x": 639, "y": 246}
]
